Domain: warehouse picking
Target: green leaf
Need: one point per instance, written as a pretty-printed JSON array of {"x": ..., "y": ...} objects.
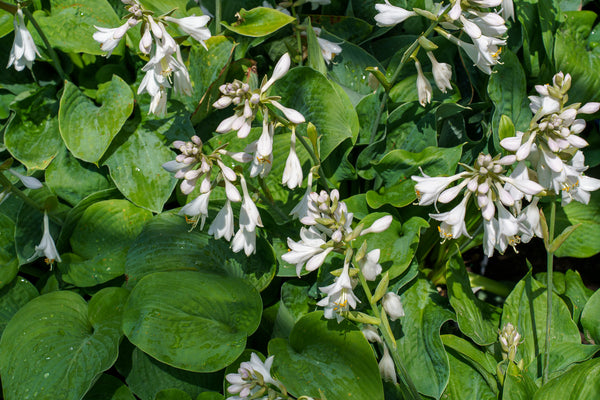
[
  {"x": 517, "y": 385},
  {"x": 564, "y": 355},
  {"x": 585, "y": 240},
  {"x": 398, "y": 244},
  {"x": 14, "y": 296},
  {"x": 87, "y": 129},
  {"x": 411, "y": 128},
  {"x": 314, "y": 56},
  {"x": 590, "y": 317},
  {"x": 560, "y": 239},
  {"x": 525, "y": 309},
  {"x": 166, "y": 244},
  {"x": 66, "y": 346},
  {"x": 8, "y": 254},
  {"x": 70, "y": 25},
  {"x": 100, "y": 242},
  {"x": 6, "y": 23},
  {"x": 324, "y": 355},
  {"x": 259, "y": 21},
  {"x": 580, "y": 382},
  {"x": 476, "y": 319},
  {"x": 309, "y": 92},
  {"x": 549, "y": 11},
  {"x": 72, "y": 179},
  {"x": 192, "y": 320},
  {"x": 32, "y": 135},
  {"x": 295, "y": 303},
  {"x": 420, "y": 345},
  {"x": 172, "y": 394},
  {"x": 577, "y": 293},
  {"x": 108, "y": 385},
  {"x": 506, "y": 127},
  {"x": 149, "y": 376},
  {"x": 570, "y": 44},
  {"x": 507, "y": 89}
]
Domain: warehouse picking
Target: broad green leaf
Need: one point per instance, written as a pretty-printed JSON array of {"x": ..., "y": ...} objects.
[
  {"x": 182, "y": 7},
  {"x": 466, "y": 381},
  {"x": 295, "y": 303},
  {"x": 135, "y": 161},
  {"x": 192, "y": 320},
  {"x": 577, "y": 293},
  {"x": 324, "y": 355},
  {"x": 149, "y": 376},
  {"x": 88, "y": 129},
  {"x": 260, "y": 21},
  {"x": 484, "y": 363},
  {"x": 399, "y": 195},
  {"x": 8, "y": 254},
  {"x": 508, "y": 91},
  {"x": 72, "y": 179},
  {"x": 309, "y": 92},
  {"x": 564, "y": 355},
  {"x": 590, "y": 317},
  {"x": 580, "y": 382},
  {"x": 70, "y": 25},
  {"x": 14, "y": 296},
  {"x": 585, "y": 240},
  {"x": 476, "y": 319},
  {"x": 398, "y": 244},
  {"x": 57, "y": 345},
  {"x": 420, "y": 345},
  {"x": 172, "y": 394},
  {"x": 506, "y": 127},
  {"x": 167, "y": 244},
  {"x": 314, "y": 57},
  {"x": 517, "y": 385},
  {"x": 525, "y": 309},
  {"x": 571, "y": 43},
  {"x": 100, "y": 242},
  {"x": 411, "y": 127},
  {"x": 549, "y": 11},
  {"x": 6, "y": 23},
  {"x": 32, "y": 135},
  {"x": 210, "y": 396},
  {"x": 106, "y": 386}
]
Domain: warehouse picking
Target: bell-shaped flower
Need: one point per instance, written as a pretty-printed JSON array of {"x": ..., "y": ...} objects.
[
  {"x": 387, "y": 369},
  {"x": 158, "y": 105},
  {"x": 292, "y": 174},
  {"x": 453, "y": 222},
  {"x": 370, "y": 333},
  {"x": 392, "y": 305},
  {"x": 222, "y": 225},
  {"x": 46, "y": 248},
  {"x": 389, "y": 15},
  {"x": 529, "y": 222},
  {"x": 442, "y": 73},
  {"x": 29, "y": 181},
  {"x": 309, "y": 249},
  {"x": 23, "y": 51},
  {"x": 340, "y": 296},
  {"x": 369, "y": 265},
  {"x": 193, "y": 26},
  {"x": 429, "y": 188},
  {"x": 424, "y": 89},
  {"x": 507, "y": 229},
  {"x": 109, "y": 38},
  {"x": 251, "y": 377},
  {"x": 197, "y": 208},
  {"x": 508, "y": 10},
  {"x": 181, "y": 77},
  {"x": 490, "y": 227},
  {"x": 301, "y": 209}
]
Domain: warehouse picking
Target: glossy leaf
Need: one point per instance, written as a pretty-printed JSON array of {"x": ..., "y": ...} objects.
[
  {"x": 590, "y": 317},
  {"x": 8, "y": 253},
  {"x": 580, "y": 382},
  {"x": 107, "y": 386},
  {"x": 585, "y": 240},
  {"x": 260, "y": 21},
  {"x": 14, "y": 296}
]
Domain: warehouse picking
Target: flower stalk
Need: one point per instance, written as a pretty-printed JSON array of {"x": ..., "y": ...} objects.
[{"x": 549, "y": 283}]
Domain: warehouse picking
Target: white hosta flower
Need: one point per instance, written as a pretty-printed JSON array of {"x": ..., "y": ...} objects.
[
  {"x": 158, "y": 105},
  {"x": 389, "y": 15},
  {"x": 292, "y": 174},
  {"x": 529, "y": 222},
  {"x": 197, "y": 208},
  {"x": 340, "y": 296},
  {"x": 508, "y": 10},
  {"x": 23, "y": 51},
  {"x": 370, "y": 333},
  {"x": 316, "y": 3},
  {"x": 507, "y": 229},
  {"x": 484, "y": 52},
  {"x": 301, "y": 209},
  {"x": 442, "y": 73},
  {"x": 266, "y": 4},
  {"x": 429, "y": 188},
  {"x": 392, "y": 305},
  {"x": 245, "y": 238},
  {"x": 453, "y": 222},
  {"x": 292, "y": 115},
  {"x": 222, "y": 226},
  {"x": 181, "y": 77},
  {"x": 251, "y": 377},
  {"x": 281, "y": 68},
  {"x": 328, "y": 48},
  {"x": 379, "y": 225},
  {"x": 387, "y": 369},
  {"x": 310, "y": 249},
  {"x": 490, "y": 227},
  {"x": 109, "y": 38},
  {"x": 194, "y": 26},
  {"x": 46, "y": 248},
  {"x": 424, "y": 89},
  {"x": 369, "y": 265},
  {"x": 29, "y": 181}
]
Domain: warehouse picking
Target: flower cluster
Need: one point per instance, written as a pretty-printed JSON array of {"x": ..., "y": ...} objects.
[
  {"x": 253, "y": 380},
  {"x": 509, "y": 340},
  {"x": 23, "y": 51},
  {"x": 166, "y": 68},
  {"x": 552, "y": 144},
  {"x": 494, "y": 191},
  {"x": 247, "y": 103},
  {"x": 192, "y": 165}
]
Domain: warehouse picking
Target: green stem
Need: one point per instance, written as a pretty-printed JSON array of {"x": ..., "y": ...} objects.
[
  {"x": 217, "y": 17},
  {"x": 390, "y": 342},
  {"x": 386, "y": 95},
  {"x": 550, "y": 269},
  {"x": 316, "y": 161},
  {"x": 49, "y": 48},
  {"x": 8, "y": 7}
]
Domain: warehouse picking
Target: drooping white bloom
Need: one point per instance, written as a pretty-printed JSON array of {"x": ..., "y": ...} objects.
[
  {"x": 245, "y": 238},
  {"x": 379, "y": 225},
  {"x": 301, "y": 209},
  {"x": 197, "y": 208},
  {"x": 158, "y": 105},
  {"x": 369, "y": 265},
  {"x": 316, "y": 3},
  {"x": 453, "y": 221},
  {"x": 328, "y": 48},
  {"x": 393, "y": 305},
  {"x": 29, "y": 181},
  {"x": 508, "y": 9},
  {"x": 428, "y": 188},
  {"x": 23, "y": 51},
  {"x": 193, "y": 26},
  {"x": 222, "y": 226},
  {"x": 442, "y": 73},
  {"x": 370, "y": 333},
  {"x": 529, "y": 222},
  {"x": 309, "y": 249},
  {"x": 424, "y": 89},
  {"x": 46, "y": 247},
  {"x": 181, "y": 77},
  {"x": 251, "y": 377},
  {"x": 387, "y": 369},
  {"x": 109, "y": 38},
  {"x": 292, "y": 174},
  {"x": 389, "y": 15},
  {"x": 340, "y": 296}
]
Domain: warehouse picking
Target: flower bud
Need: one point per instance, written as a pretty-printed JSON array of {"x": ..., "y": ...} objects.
[
  {"x": 379, "y": 225},
  {"x": 387, "y": 368},
  {"x": 392, "y": 306}
]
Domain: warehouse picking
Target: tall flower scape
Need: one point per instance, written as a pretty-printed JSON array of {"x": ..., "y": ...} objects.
[{"x": 299, "y": 200}]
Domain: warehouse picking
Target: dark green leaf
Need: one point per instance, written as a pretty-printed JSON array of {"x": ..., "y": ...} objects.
[{"x": 259, "y": 21}]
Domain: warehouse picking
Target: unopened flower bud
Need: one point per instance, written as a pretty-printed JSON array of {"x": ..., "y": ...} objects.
[
  {"x": 370, "y": 333},
  {"x": 379, "y": 225},
  {"x": 386, "y": 367},
  {"x": 392, "y": 305}
]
